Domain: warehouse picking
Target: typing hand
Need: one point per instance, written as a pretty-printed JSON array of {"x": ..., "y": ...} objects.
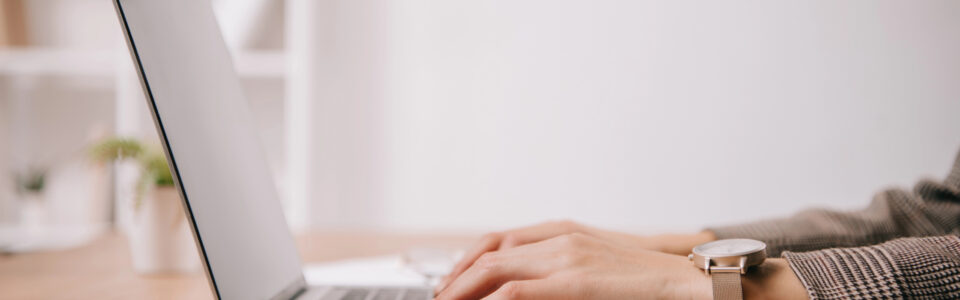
[
  {"x": 578, "y": 266},
  {"x": 498, "y": 241}
]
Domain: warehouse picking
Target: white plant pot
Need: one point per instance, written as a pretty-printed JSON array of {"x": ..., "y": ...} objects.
[
  {"x": 159, "y": 236},
  {"x": 34, "y": 214}
]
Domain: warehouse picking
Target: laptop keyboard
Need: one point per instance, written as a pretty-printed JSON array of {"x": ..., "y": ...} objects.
[{"x": 359, "y": 293}]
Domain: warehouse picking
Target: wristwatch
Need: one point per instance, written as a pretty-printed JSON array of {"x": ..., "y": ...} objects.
[{"x": 725, "y": 261}]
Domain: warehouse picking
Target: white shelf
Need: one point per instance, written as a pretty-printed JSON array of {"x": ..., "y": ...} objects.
[
  {"x": 40, "y": 61},
  {"x": 102, "y": 63}
]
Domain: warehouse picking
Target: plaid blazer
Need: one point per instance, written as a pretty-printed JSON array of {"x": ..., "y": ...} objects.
[{"x": 905, "y": 244}]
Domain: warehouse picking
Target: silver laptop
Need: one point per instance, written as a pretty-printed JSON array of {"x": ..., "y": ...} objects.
[{"x": 217, "y": 161}]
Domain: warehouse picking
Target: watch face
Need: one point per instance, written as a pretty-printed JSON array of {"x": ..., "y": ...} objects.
[{"x": 731, "y": 247}]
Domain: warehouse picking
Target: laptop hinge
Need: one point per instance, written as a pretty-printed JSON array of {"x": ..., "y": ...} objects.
[{"x": 292, "y": 291}]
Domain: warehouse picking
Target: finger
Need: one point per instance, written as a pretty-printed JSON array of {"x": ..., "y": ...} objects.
[
  {"x": 493, "y": 269},
  {"x": 537, "y": 289},
  {"x": 487, "y": 243},
  {"x": 536, "y": 233},
  {"x": 507, "y": 240}
]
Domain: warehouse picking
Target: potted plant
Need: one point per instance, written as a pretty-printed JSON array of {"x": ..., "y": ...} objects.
[{"x": 159, "y": 235}]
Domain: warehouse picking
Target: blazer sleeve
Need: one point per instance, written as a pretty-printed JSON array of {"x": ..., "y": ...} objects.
[
  {"x": 932, "y": 208},
  {"x": 908, "y": 268}
]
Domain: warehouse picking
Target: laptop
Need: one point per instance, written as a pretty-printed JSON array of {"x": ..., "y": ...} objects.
[{"x": 218, "y": 164}]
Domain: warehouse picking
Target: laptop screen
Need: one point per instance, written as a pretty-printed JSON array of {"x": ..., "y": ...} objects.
[{"x": 204, "y": 120}]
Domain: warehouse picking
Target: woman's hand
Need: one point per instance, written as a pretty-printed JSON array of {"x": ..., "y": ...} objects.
[
  {"x": 676, "y": 244},
  {"x": 578, "y": 266}
]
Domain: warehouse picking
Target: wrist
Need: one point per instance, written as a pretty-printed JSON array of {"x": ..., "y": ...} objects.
[
  {"x": 693, "y": 283},
  {"x": 774, "y": 279},
  {"x": 700, "y": 286}
]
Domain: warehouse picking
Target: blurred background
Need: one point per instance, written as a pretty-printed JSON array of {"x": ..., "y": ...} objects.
[{"x": 469, "y": 116}]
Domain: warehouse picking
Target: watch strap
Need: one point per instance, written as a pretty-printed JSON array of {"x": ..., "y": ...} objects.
[{"x": 726, "y": 286}]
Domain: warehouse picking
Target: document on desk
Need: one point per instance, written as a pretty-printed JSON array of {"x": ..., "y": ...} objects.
[{"x": 370, "y": 271}]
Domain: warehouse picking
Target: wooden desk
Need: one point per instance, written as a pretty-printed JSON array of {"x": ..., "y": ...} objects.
[{"x": 103, "y": 270}]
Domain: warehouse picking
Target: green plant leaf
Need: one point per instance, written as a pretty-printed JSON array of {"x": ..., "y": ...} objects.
[
  {"x": 116, "y": 149},
  {"x": 153, "y": 164},
  {"x": 31, "y": 181}
]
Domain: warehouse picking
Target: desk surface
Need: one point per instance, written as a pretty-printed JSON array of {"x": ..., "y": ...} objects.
[{"x": 103, "y": 270}]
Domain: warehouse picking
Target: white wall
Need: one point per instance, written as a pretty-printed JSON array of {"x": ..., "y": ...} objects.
[{"x": 640, "y": 115}]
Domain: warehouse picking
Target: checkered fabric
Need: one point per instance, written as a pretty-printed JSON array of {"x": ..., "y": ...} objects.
[{"x": 905, "y": 244}]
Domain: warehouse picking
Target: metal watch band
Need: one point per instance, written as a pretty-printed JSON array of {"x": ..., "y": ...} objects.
[
  {"x": 725, "y": 260},
  {"x": 726, "y": 285}
]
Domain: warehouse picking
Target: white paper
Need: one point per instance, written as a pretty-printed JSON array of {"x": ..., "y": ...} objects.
[{"x": 369, "y": 271}]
